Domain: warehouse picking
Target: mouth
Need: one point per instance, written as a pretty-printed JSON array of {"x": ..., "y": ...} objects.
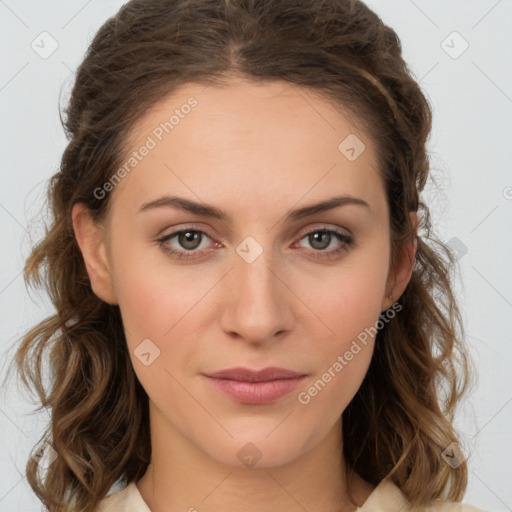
[{"x": 255, "y": 386}]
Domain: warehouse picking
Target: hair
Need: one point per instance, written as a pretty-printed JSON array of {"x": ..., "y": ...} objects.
[{"x": 400, "y": 420}]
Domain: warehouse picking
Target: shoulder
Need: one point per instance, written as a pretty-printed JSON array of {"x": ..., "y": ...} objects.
[
  {"x": 126, "y": 500},
  {"x": 387, "y": 497},
  {"x": 452, "y": 506}
]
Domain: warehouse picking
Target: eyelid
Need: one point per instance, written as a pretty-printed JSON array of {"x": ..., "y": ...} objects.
[
  {"x": 324, "y": 227},
  {"x": 300, "y": 234},
  {"x": 185, "y": 227},
  {"x": 196, "y": 254}
]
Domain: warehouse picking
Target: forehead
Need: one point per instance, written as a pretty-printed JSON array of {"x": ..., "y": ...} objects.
[{"x": 252, "y": 139}]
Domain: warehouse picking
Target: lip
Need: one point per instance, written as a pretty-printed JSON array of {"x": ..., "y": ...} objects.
[
  {"x": 255, "y": 386},
  {"x": 242, "y": 374}
]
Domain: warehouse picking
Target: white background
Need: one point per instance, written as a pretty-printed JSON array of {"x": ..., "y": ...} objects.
[{"x": 471, "y": 158}]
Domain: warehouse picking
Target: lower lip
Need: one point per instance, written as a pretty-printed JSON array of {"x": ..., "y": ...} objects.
[{"x": 255, "y": 392}]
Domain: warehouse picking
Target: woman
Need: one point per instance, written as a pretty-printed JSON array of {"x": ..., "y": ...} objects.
[{"x": 252, "y": 310}]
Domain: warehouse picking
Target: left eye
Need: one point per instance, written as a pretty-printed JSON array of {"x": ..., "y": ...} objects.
[
  {"x": 190, "y": 241},
  {"x": 320, "y": 239}
]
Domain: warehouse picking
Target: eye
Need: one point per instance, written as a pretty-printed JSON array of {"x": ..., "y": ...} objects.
[
  {"x": 189, "y": 243},
  {"x": 320, "y": 239}
]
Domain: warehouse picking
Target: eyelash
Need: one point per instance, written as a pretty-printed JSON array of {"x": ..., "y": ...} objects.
[{"x": 347, "y": 242}]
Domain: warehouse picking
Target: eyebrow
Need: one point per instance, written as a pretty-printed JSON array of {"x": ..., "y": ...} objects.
[{"x": 206, "y": 210}]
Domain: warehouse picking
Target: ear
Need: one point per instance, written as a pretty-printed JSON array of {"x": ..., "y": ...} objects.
[
  {"x": 91, "y": 240},
  {"x": 401, "y": 272}
]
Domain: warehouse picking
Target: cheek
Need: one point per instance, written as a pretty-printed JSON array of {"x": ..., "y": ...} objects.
[
  {"x": 347, "y": 300},
  {"x": 152, "y": 299},
  {"x": 347, "y": 307},
  {"x": 349, "y": 314},
  {"x": 142, "y": 301},
  {"x": 164, "y": 304},
  {"x": 157, "y": 308}
]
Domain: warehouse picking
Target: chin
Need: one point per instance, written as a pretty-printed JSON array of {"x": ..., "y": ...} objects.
[{"x": 259, "y": 450}]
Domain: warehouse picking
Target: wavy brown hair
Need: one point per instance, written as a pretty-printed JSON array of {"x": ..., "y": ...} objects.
[{"x": 400, "y": 420}]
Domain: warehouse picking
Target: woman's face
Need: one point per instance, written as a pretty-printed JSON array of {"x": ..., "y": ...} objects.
[{"x": 262, "y": 279}]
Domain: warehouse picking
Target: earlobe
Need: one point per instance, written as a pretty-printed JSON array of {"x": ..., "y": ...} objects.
[{"x": 91, "y": 241}]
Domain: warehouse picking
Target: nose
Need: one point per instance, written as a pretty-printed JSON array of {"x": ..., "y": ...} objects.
[{"x": 260, "y": 304}]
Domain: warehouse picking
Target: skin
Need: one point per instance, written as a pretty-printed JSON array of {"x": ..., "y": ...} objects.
[{"x": 254, "y": 151}]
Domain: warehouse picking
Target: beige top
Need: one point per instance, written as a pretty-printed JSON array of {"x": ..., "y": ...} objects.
[{"x": 386, "y": 497}]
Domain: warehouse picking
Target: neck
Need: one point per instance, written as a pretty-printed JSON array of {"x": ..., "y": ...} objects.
[{"x": 181, "y": 477}]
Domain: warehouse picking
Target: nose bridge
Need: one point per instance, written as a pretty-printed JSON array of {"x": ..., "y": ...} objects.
[{"x": 258, "y": 307}]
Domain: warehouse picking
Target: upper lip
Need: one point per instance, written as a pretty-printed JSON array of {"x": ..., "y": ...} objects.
[{"x": 248, "y": 375}]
